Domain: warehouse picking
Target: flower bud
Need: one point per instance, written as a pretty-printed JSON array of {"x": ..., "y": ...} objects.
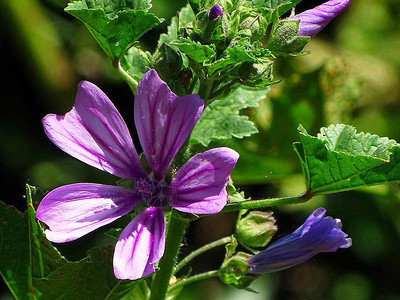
[
  {"x": 167, "y": 61},
  {"x": 256, "y": 23},
  {"x": 284, "y": 39},
  {"x": 234, "y": 271},
  {"x": 317, "y": 234},
  {"x": 256, "y": 229},
  {"x": 206, "y": 28},
  {"x": 214, "y": 12},
  {"x": 253, "y": 74},
  {"x": 314, "y": 20}
]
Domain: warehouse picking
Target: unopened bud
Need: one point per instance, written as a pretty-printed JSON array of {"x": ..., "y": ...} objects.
[
  {"x": 214, "y": 12},
  {"x": 167, "y": 61},
  {"x": 256, "y": 23},
  {"x": 284, "y": 39},
  {"x": 256, "y": 229},
  {"x": 313, "y": 20},
  {"x": 234, "y": 271}
]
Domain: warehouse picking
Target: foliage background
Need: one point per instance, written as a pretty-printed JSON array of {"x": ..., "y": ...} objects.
[{"x": 352, "y": 76}]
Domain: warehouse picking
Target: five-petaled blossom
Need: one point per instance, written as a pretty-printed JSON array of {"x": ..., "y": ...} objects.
[
  {"x": 314, "y": 20},
  {"x": 95, "y": 133},
  {"x": 317, "y": 234}
]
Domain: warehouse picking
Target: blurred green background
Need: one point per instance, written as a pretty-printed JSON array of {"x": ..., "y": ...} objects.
[{"x": 352, "y": 76}]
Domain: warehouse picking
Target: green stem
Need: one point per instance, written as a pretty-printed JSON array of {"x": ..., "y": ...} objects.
[
  {"x": 255, "y": 204},
  {"x": 125, "y": 75},
  {"x": 205, "y": 89},
  {"x": 201, "y": 250},
  {"x": 192, "y": 279},
  {"x": 174, "y": 237}
]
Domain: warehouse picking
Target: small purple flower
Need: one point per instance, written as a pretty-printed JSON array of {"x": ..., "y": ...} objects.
[
  {"x": 314, "y": 20},
  {"x": 317, "y": 234},
  {"x": 215, "y": 12},
  {"x": 95, "y": 133}
]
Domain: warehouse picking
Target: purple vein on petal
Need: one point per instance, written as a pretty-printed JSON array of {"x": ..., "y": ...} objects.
[
  {"x": 140, "y": 245},
  {"x": 199, "y": 185},
  {"x": 95, "y": 133},
  {"x": 102, "y": 119},
  {"x": 74, "y": 210},
  {"x": 163, "y": 120}
]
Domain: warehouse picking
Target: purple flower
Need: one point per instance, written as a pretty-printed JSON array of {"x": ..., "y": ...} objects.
[
  {"x": 314, "y": 20},
  {"x": 94, "y": 132},
  {"x": 317, "y": 234},
  {"x": 215, "y": 12}
]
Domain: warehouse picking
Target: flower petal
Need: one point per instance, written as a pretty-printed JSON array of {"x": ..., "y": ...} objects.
[
  {"x": 95, "y": 133},
  {"x": 314, "y": 20},
  {"x": 72, "y": 211},
  {"x": 199, "y": 185},
  {"x": 317, "y": 234},
  {"x": 140, "y": 245},
  {"x": 163, "y": 120}
]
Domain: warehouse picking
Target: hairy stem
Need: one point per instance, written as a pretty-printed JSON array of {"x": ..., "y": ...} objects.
[
  {"x": 174, "y": 236},
  {"x": 192, "y": 279},
  {"x": 201, "y": 250},
  {"x": 125, "y": 75},
  {"x": 255, "y": 204},
  {"x": 205, "y": 89}
]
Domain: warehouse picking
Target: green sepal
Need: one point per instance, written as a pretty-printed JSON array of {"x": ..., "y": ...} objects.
[
  {"x": 234, "y": 271},
  {"x": 126, "y": 183},
  {"x": 256, "y": 73},
  {"x": 284, "y": 40},
  {"x": 231, "y": 248},
  {"x": 167, "y": 61},
  {"x": 206, "y": 30},
  {"x": 255, "y": 228},
  {"x": 253, "y": 21},
  {"x": 233, "y": 194}
]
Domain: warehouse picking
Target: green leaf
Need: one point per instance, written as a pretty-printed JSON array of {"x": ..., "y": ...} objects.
[
  {"x": 33, "y": 269},
  {"x": 15, "y": 262},
  {"x": 199, "y": 5},
  {"x": 111, "y": 7},
  {"x": 172, "y": 32},
  {"x": 230, "y": 56},
  {"x": 116, "y": 25},
  {"x": 136, "y": 63},
  {"x": 196, "y": 51},
  {"x": 90, "y": 278},
  {"x": 286, "y": 5},
  {"x": 186, "y": 16},
  {"x": 340, "y": 159},
  {"x": 344, "y": 138},
  {"x": 282, "y": 5},
  {"x": 221, "y": 119},
  {"x": 45, "y": 258}
]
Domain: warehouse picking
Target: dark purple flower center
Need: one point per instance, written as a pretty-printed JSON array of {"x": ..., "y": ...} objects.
[{"x": 150, "y": 191}]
